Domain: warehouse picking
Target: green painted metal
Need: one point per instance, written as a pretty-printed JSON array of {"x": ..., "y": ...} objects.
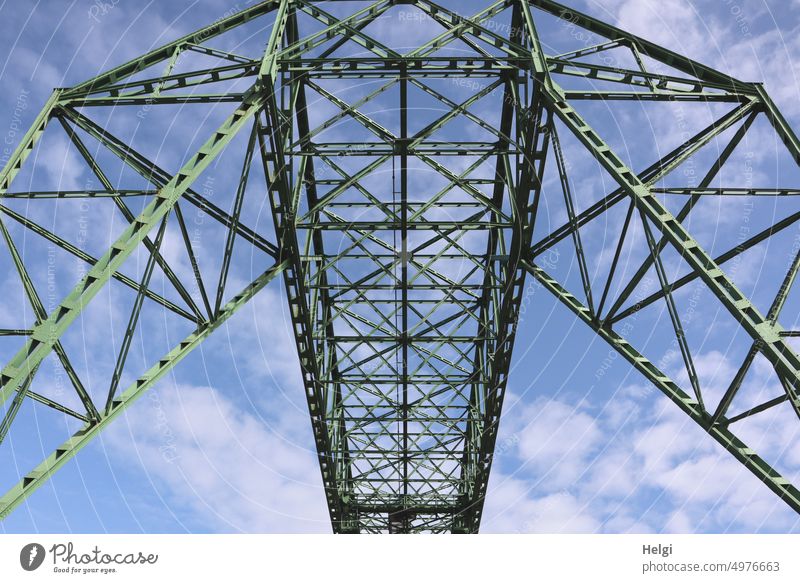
[
  {"x": 67, "y": 450},
  {"x": 405, "y": 300}
]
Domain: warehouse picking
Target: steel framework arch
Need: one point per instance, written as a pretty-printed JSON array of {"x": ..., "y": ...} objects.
[{"x": 404, "y": 300}]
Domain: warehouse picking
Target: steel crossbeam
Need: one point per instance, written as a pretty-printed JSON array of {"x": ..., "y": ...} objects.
[{"x": 404, "y": 247}]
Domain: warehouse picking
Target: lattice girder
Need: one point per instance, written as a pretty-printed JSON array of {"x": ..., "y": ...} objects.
[{"x": 405, "y": 235}]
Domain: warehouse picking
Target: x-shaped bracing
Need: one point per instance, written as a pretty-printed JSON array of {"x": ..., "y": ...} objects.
[{"x": 404, "y": 363}]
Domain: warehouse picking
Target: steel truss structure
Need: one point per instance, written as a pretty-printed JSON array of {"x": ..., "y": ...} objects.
[{"x": 404, "y": 298}]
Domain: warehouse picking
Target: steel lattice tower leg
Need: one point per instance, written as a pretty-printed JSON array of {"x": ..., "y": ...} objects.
[{"x": 404, "y": 303}]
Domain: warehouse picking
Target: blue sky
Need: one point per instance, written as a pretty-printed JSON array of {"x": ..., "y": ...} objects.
[{"x": 223, "y": 444}]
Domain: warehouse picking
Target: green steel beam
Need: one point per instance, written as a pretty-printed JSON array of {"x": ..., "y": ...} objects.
[
  {"x": 773, "y": 346},
  {"x": 735, "y": 446},
  {"x": 47, "y": 333},
  {"x": 404, "y": 326},
  {"x": 82, "y": 255},
  {"x": 165, "y": 52},
  {"x": 670, "y": 58},
  {"x": 67, "y": 450},
  {"x": 682, "y": 214},
  {"x": 28, "y": 142},
  {"x": 652, "y": 174},
  {"x": 159, "y": 177}
]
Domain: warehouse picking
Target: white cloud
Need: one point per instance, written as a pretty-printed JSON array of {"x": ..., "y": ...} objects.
[
  {"x": 513, "y": 509},
  {"x": 208, "y": 454},
  {"x": 205, "y": 454},
  {"x": 641, "y": 467},
  {"x": 555, "y": 438}
]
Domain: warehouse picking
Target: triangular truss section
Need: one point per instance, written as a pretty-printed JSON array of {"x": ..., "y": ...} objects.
[{"x": 405, "y": 194}]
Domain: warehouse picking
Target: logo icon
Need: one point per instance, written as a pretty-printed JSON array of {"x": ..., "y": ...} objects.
[{"x": 31, "y": 556}]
